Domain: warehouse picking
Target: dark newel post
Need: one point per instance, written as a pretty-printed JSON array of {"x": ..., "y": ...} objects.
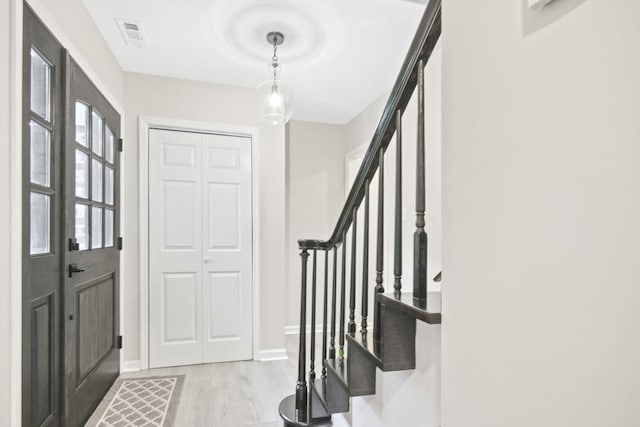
[
  {"x": 301, "y": 386},
  {"x": 420, "y": 236},
  {"x": 324, "y": 312},
  {"x": 312, "y": 365},
  {"x": 379, "y": 249},
  {"x": 397, "y": 230},
  {"x": 343, "y": 295},
  {"x": 332, "y": 346},
  {"x": 365, "y": 262},
  {"x": 352, "y": 294}
]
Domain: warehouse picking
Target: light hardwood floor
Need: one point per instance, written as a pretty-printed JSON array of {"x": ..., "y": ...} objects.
[{"x": 234, "y": 394}]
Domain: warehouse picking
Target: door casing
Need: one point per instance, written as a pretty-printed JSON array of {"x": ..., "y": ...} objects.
[{"x": 144, "y": 124}]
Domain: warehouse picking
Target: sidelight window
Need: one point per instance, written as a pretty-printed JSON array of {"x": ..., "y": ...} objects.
[{"x": 40, "y": 154}]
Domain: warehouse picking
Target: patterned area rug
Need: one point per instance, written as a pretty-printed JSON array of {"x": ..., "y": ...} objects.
[{"x": 140, "y": 402}]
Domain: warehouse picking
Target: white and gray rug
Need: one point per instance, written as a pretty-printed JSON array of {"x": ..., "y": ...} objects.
[{"x": 139, "y": 402}]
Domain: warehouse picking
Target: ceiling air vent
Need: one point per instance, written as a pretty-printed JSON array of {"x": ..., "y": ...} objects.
[{"x": 132, "y": 32}]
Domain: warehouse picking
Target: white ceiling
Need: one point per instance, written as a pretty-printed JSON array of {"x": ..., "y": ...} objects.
[{"x": 338, "y": 55}]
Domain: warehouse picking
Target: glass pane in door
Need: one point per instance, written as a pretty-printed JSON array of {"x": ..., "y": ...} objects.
[
  {"x": 96, "y": 133},
  {"x": 96, "y": 228},
  {"x": 108, "y": 228},
  {"x": 82, "y": 124},
  {"x": 82, "y": 226},
  {"x": 109, "y": 146},
  {"x": 96, "y": 180},
  {"x": 82, "y": 174},
  {"x": 109, "y": 178},
  {"x": 40, "y": 223},
  {"x": 40, "y": 86},
  {"x": 40, "y": 154}
]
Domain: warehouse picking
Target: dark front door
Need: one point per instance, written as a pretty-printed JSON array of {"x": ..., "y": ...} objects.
[
  {"x": 70, "y": 222},
  {"x": 42, "y": 212},
  {"x": 91, "y": 289}
]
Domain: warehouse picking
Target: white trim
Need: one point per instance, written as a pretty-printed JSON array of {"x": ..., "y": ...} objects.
[
  {"x": 15, "y": 131},
  {"x": 130, "y": 366},
  {"x": 144, "y": 124},
  {"x": 274, "y": 354},
  {"x": 295, "y": 329}
]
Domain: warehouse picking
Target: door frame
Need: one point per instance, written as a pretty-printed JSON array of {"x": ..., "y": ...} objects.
[{"x": 145, "y": 123}]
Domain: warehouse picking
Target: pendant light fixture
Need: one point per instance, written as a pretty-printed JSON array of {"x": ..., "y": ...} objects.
[{"x": 274, "y": 95}]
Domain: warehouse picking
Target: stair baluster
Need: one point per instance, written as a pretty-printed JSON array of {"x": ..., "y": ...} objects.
[
  {"x": 343, "y": 293},
  {"x": 397, "y": 232},
  {"x": 324, "y": 312},
  {"x": 352, "y": 294},
  {"x": 420, "y": 235},
  {"x": 365, "y": 263},
  {"x": 332, "y": 345},
  {"x": 301, "y": 385},
  {"x": 379, "y": 249},
  {"x": 312, "y": 365}
]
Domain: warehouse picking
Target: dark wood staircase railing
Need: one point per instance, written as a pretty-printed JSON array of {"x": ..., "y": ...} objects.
[{"x": 391, "y": 345}]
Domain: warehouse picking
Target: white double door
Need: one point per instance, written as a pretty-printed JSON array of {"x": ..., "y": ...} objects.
[{"x": 200, "y": 269}]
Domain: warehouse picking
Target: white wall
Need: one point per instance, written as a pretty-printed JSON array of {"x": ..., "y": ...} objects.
[
  {"x": 361, "y": 128},
  {"x": 192, "y": 101},
  {"x": 541, "y": 206},
  {"x": 315, "y": 195}
]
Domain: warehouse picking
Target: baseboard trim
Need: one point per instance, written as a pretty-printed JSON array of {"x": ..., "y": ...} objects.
[
  {"x": 295, "y": 329},
  {"x": 131, "y": 366},
  {"x": 273, "y": 354}
]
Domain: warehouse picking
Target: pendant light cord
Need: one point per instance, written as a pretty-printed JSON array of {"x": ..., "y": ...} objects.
[{"x": 274, "y": 59}]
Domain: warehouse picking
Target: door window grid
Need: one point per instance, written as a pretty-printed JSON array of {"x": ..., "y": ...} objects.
[
  {"x": 95, "y": 180},
  {"x": 41, "y": 200}
]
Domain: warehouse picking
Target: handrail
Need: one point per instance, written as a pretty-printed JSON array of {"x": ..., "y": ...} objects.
[{"x": 421, "y": 49}]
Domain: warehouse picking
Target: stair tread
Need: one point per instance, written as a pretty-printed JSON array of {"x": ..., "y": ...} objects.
[
  {"x": 373, "y": 351},
  {"x": 430, "y": 314}
]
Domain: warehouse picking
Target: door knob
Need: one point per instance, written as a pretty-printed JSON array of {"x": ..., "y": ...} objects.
[
  {"x": 207, "y": 259},
  {"x": 73, "y": 268}
]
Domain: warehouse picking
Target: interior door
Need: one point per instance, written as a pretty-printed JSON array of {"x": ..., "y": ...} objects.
[
  {"x": 227, "y": 290},
  {"x": 175, "y": 246},
  {"x": 200, "y": 290},
  {"x": 91, "y": 310},
  {"x": 42, "y": 202}
]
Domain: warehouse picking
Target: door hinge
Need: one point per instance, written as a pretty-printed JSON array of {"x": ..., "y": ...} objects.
[
  {"x": 120, "y": 144},
  {"x": 73, "y": 245},
  {"x": 119, "y": 342},
  {"x": 120, "y": 243}
]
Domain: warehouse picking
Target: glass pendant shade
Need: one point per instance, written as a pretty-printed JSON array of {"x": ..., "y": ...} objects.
[{"x": 275, "y": 101}]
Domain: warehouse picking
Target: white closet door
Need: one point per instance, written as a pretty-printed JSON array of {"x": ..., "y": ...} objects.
[
  {"x": 226, "y": 231},
  {"x": 200, "y": 299},
  {"x": 175, "y": 248}
]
